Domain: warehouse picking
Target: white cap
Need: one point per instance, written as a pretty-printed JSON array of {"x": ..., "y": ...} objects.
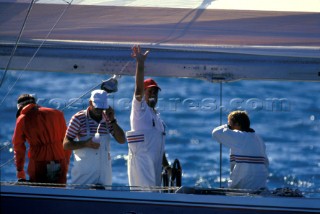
[{"x": 99, "y": 99}]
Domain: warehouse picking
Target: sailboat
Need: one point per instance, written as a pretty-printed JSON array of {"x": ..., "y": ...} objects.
[{"x": 201, "y": 40}]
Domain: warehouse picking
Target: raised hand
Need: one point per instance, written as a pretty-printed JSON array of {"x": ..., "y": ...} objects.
[{"x": 138, "y": 55}]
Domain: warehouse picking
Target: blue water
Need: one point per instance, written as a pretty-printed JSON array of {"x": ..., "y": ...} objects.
[{"x": 285, "y": 114}]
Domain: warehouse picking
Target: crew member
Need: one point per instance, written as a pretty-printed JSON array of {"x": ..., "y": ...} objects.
[
  {"x": 44, "y": 130},
  {"x": 88, "y": 135},
  {"x": 248, "y": 159},
  {"x": 146, "y": 140}
]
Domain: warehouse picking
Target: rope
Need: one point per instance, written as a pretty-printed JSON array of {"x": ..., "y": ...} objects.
[
  {"x": 4, "y": 98},
  {"x": 9, "y": 161},
  {"x": 118, "y": 76},
  {"x": 198, "y": 191},
  {"x": 31, "y": 59},
  {"x": 95, "y": 186},
  {"x": 80, "y": 97},
  {"x": 5, "y": 146},
  {"x": 17, "y": 41},
  {"x": 45, "y": 39}
]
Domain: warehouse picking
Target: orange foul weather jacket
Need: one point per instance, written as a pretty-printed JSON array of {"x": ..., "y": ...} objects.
[{"x": 44, "y": 129}]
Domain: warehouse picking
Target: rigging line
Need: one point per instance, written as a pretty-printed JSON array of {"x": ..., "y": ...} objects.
[
  {"x": 63, "y": 12},
  {"x": 17, "y": 42},
  {"x": 220, "y": 143},
  {"x": 2, "y": 148},
  {"x": 126, "y": 65},
  {"x": 24, "y": 23},
  {"x": 80, "y": 97},
  {"x": 9, "y": 161},
  {"x": 4, "y": 98},
  {"x": 121, "y": 71},
  {"x": 48, "y": 34}
]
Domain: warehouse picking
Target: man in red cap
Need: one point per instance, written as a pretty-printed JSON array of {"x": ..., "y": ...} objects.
[{"x": 146, "y": 140}]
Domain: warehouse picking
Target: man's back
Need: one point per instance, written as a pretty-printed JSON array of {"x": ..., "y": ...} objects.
[
  {"x": 44, "y": 129},
  {"x": 248, "y": 158}
]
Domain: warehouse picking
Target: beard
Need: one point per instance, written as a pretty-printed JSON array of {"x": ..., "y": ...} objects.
[{"x": 152, "y": 102}]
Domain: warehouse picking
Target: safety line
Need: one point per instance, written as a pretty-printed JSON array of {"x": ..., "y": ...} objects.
[{"x": 95, "y": 186}]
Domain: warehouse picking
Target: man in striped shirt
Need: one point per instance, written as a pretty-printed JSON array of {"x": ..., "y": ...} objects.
[
  {"x": 88, "y": 135},
  {"x": 248, "y": 159}
]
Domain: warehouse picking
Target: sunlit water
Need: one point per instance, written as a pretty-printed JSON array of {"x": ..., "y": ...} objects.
[{"x": 285, "y": 114}]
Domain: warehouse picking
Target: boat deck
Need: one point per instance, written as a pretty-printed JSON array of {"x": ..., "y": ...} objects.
[{"x": 147, "y": 200}]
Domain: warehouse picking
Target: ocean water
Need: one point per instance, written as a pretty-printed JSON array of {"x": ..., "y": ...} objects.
[{"x": 285, "y": 114}]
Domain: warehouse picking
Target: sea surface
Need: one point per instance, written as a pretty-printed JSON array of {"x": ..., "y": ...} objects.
[{"x": 285, "y": 114}]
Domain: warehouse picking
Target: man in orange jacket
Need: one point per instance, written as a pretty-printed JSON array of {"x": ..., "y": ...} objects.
[{"x": 44, "y": 130}]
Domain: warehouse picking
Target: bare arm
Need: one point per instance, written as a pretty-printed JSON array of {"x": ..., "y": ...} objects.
[
  {"x": 140, "y": 58},
  {"x": 70, "y": 144}
]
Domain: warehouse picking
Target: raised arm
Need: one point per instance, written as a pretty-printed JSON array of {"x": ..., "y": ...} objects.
[{"x": 140, "y": 58}]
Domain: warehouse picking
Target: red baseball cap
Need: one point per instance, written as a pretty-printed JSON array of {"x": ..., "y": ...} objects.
[{"x": 148, "y": 83}]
